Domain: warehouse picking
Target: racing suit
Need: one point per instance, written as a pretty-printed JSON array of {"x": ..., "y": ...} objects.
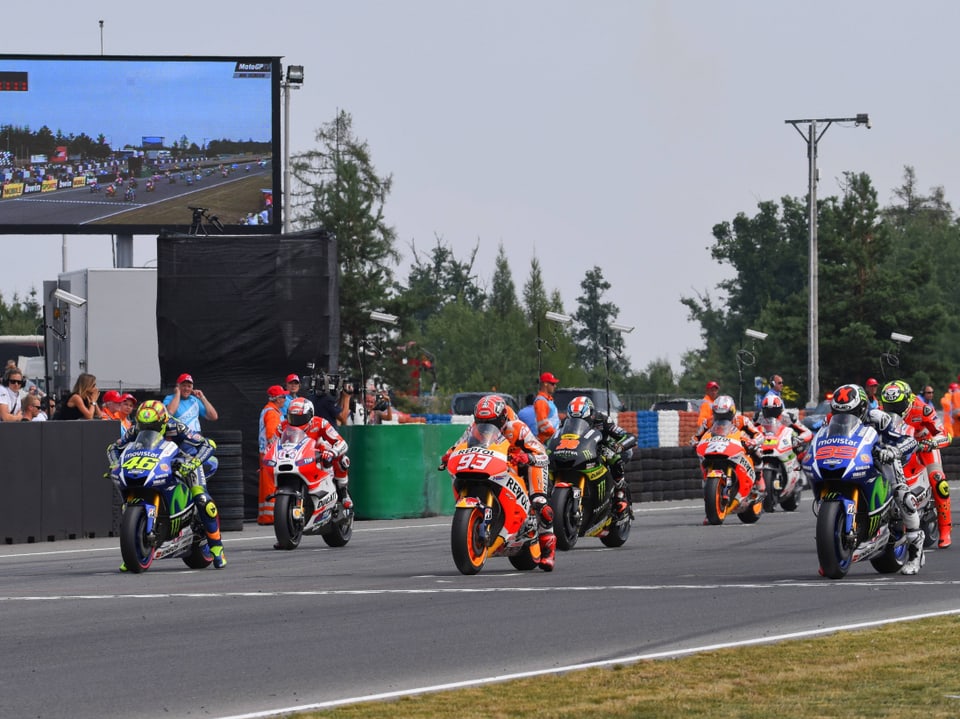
[
  {"x": 616, "y": 447},
  {"x": 331, "y": 450},
  {"x": 200, "y": 463},
  {"x": 929, "y": 432},
  {"x": 894, "y": 447}
]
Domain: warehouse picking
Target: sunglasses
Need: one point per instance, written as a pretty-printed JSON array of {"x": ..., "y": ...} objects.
[{"x": 15, "y": 381}]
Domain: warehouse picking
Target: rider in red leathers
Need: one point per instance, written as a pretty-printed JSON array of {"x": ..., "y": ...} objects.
[
  {"x": 928, "y": 430},
  {"x": 525, "y": 451},
  {"x": 332, "y": 448}
]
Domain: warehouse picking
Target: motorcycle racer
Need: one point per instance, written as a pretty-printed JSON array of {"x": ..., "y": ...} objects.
[
  {"x": 526, "y": 450},
  {"x": 199, "y": 464},
  {"x": 898, "y": 398},
  {"x": 615, "y": 443},
  {"x": 772, "y": 408},
  {"x": 893, "y": 448},
  {"x": 301, "y": 414},
  {"x": 725, "y": 409}
]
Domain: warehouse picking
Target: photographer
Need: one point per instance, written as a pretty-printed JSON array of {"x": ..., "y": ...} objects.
[{"x": 376, "y": 402}]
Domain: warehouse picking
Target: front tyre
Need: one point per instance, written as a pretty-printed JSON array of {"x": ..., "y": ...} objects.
[
  {"x": 135, "y": 547},
  {"x": 833, "y": 550},
  {"x": 287, "y": 527},
  {"x": 466, "y": 541},
  {"x": 715, "y": 499},
  {"x": 566, "y": 517}
]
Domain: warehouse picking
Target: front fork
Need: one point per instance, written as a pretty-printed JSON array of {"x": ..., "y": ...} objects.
[{"x": 153, "y": 511}]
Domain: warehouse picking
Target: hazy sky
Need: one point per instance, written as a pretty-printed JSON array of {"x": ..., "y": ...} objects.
[{"x": 610, "y": 133}]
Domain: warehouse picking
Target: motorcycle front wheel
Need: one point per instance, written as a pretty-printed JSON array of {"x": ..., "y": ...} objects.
[
  {"x": 287, "y": 528},
  {"x": 135, "y": 548},
  {"x": 466, "y": 542},
  {"x": 833, "y": 551},
  {"x": 715, "y": 499},
  {"x": 770, "y": 475},
  {"x": 565, "y": 513}
]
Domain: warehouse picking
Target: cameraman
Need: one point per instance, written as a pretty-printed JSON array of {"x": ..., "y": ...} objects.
[
  {"x": 347, "y": 403},
  {"x": 376, "y": 402}
]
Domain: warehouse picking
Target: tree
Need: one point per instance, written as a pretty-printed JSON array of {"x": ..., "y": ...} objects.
[
  {"x": 340, "y": 191},
  {"x": 21, "y": 316},
  {"x": 594, "y": 338}
]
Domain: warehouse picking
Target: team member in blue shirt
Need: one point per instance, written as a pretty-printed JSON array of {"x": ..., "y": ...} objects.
[{"x": 188, "y": 404}]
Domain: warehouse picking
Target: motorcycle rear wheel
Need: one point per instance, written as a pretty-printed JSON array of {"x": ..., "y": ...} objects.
[
  {"x": 715, "y": 499},
  {"x": 931, "y": 529},
  {"x": 468, "y": 547},
  {"x": 751, "y": 514},
  {"x": 197, "y": 559},
  {"x": 618, "y": 534},
  {"x": 339, "y": 531},
  {"x": 136, "y": 550},
  {"x": 832, "y": 550},
  {"x": 892, "y": 559},
  {"x": 565, "y": 512},
  {"x": 287, "y": 528},
  {"x": 523, "y": 560}
]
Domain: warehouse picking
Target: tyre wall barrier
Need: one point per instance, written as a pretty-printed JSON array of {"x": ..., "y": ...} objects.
[{"x": 226, "y": 486}]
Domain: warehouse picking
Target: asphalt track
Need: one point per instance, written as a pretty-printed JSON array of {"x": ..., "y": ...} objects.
[{"x": 389, "y": 614}]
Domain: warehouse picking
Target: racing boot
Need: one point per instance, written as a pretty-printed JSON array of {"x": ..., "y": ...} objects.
[
  {"x": 548, "y": 551},
  {"x": 210, "y": 516},
  {"x": 941, "y": 494},
  {"x": 219, "y": 558},
  {"x": 344, "y": 496},
  {"x": 620, "y": 503},
  {"x": 915, "y": 558}
]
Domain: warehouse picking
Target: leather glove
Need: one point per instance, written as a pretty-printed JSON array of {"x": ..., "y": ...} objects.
[
  {"x": 443, "y": 461},
  {"x": 187, "y": 468},
  {"x": 885, "y": 455},
  {"x": 521, "y": 459},
  {"x": 326, "y": 458},
  {"x": 927, "y": 445}
]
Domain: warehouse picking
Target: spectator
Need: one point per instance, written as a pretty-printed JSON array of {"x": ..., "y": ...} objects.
[
  {"x": 955, "y": 410},
  {"x": 48, "y": 406},
  {"x": 705, "y": 417},
  {"x": 31, "y": 409},
  {"x": 927, "y": 396},
  {"x": 188, "y": 404},
  {"x": 293, "y": 390},
  {"x": 10, "y": 394},
  {"x": 127, "y": 404},
  {"x": 527, "y": 414},
  {"x": 82, "y": 402},
  {"x": 946, "y": 403},
  {"x": 111, "y": 408},
  {"x": 270, "y": 418},
  {"x": 348, "y": 404},
  {"x": 871, "y": 387},
  {"x": 376, "y": 403},
  {"x": 325, "y": 400},
  {"x": 547, "y": 416}
]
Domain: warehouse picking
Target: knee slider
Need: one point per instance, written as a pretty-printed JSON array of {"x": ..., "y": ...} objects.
[{"x": 940, "y": 485}]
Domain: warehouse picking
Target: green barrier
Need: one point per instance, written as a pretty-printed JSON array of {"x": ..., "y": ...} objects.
[{"x": 393, "y": 469}]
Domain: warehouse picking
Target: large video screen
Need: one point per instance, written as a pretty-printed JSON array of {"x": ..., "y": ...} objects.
[{"x": 133, "y": 145}]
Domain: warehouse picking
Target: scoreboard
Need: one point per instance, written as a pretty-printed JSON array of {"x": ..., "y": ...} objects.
[{"x": 13, "y": 82}]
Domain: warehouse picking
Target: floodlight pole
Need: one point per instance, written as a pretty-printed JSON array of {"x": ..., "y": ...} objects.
[
  {"x": 812, "y": 138},
  {"x": 287, "y": 85}
]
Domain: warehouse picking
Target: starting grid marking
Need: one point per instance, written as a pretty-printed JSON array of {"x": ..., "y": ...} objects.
[{"x": 113, "y": 203}]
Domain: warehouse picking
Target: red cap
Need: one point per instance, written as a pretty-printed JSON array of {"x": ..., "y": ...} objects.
[
  {"x": 276, "y": 391},
  {"x": 111, "y": 395},
  {"x": 128, "y": 396},
  {"x": 712, "y": 385},
  {"x": 549, "y": 377},
  {"x": 954, "y": 386},
  {"x": 293, "y": 378},
  {"x": 871, "y": 382},
  {"x": 184, "y": 378}
]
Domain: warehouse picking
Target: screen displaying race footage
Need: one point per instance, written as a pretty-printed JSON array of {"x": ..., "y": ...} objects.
[{"x": 132, "y": 145}]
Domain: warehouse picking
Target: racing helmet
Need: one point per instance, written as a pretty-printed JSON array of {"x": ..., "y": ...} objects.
[
  {"x": 772, "y": 406},
  {"x": 724, "y": 408},
  {"x": 491, "y": 409},
  {"x": 300, "y": 412},
  {"x": 850, "y": 399},
  {"x": 152, "y": 415},
  {"x": 896, "y": 397},
  {"x": 581, "y": 408}
]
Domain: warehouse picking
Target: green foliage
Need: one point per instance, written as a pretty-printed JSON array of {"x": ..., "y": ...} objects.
[
  {"x": 597, "y": 344},
  {"x": 21, "y": 316}
]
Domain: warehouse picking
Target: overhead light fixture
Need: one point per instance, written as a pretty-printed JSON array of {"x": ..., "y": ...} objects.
[
  {"x": 295, "y": 74},
  {"x": 756, "y": 334},
  {"x": 559, "y": 318},
  {"x": 626, "y": 329},
  {"x": 384, "y": 317},
  {"x": 69, "y": 298},
  {"x": 897, "y": 337}
]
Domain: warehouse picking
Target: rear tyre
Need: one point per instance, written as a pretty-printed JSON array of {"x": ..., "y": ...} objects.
[
  {"x": 565, "y": 513},
  {"x": 466, "y": 543},
  {"x": 892, "y": 559},
  {"x": 340, "y": 530},
  {"x": 523, "y": 560},
  {"x": 287, "y": 528},
  {"x": 833, "y": 551},
  {"x": 619, "y": 532},
  {"x": 751, "y": 514},
  {"x": 197, "y": 559},
  {"x": 135, "y": 548}
]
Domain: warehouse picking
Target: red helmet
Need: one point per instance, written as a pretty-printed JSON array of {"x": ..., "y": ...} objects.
[
  {"x": 772, "y": 406},
  {"x": 300, "y": 412},
  {"x": 491, "y": 409}
]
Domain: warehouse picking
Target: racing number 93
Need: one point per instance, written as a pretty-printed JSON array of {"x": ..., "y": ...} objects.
[{"x": 473, "y": 461}]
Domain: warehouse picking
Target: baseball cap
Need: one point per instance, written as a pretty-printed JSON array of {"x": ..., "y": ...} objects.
[
  {"x": 276, "y": 391},
  {"x": 871, "y": 382},
  {"x": 128, "y": 396},
  {"x": 184, "y": 378},
  {"x": 549, "y": 377},
  {"x": 712, "y": 385},
  {"x": 954, "y": 386},
  {"x": 111, "y": 395},
  {"x": 293, "y": 378}
]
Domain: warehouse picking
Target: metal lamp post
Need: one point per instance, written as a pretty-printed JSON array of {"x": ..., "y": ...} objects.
[
  {"x": 812, "y": 138},
  {"x": 293, "y": 81}
]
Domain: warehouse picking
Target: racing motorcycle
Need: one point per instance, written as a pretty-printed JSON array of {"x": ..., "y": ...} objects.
[
  {"x": 729, "y": 478},
  {"x": 582, "y": 495},
  {"x": 129, "y": 195},
  {"x": 857, "y": 517},
  {"x": 779, "y": 466},
  {"x": 306, "y": 500},
  {"x": 160, "y": 518},
  {"x": 493, "y": 516}
]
